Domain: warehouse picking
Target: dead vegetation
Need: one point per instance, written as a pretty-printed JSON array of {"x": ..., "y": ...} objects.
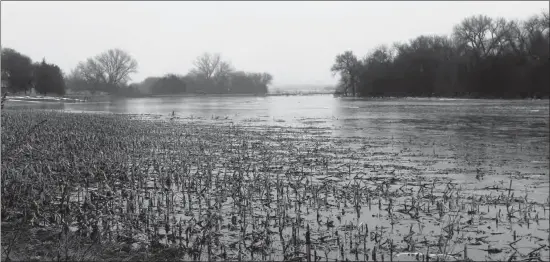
[{"x": 108, "y": 187}]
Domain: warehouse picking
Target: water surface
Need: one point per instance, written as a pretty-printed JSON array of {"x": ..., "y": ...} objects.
[{"x": 451, "y": 139}]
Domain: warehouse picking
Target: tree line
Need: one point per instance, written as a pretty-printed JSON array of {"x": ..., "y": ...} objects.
[
  {"x": 483, "y": 57},
  {"x": 210, "y": 75},
  {"x": 20, "y": 74},
  {"x": 110, "y": 72}
]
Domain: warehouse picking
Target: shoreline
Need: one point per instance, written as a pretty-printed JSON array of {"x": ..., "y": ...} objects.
[{"x": 105, "y": 98}]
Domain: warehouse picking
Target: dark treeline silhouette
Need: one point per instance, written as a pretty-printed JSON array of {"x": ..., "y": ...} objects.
[
  {"x": 109, "y": 72},
  {"x": 20, "y": 74},
  {"x": 210, "y": 75},
  {"x": 484, "y": 57}
]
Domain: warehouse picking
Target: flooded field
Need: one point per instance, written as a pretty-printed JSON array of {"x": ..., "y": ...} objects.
[{"x": 276, "y": 178}]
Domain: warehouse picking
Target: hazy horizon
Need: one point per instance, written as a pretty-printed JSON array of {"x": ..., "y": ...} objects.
[{"x": 294, "y": 41}]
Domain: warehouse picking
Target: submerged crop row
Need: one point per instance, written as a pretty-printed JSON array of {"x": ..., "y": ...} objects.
[{"x": 206, "y": 191}]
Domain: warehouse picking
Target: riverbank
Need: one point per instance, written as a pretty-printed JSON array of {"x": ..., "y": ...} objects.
[
  {"x": 121, "y": 187},
  {"x": 76, "y": 98},
  {"x": 36, "y": 98}
]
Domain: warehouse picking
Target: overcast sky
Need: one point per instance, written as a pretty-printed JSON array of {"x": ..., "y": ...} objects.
[{"x": 294, "y": 41}]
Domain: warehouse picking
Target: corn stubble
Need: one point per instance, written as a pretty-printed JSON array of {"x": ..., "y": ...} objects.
[{"x": 218, "y": 191}]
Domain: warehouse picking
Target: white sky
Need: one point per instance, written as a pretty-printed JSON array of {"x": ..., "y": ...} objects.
[{"x": 294, "y": 41}]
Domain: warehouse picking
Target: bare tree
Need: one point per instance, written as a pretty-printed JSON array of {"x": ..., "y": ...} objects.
[
  {"x": 110, "y": 69},
  {"x": 545, "y": 22},
  {"x": 534, "y": 35},
  {"x": 381, "y": 55},
  {"x": 211, "y": 66},
  {"x": 498, "y": 31},
  {"x": 472, "y": 32},
  {"x": 267, "y": 78},
  {"x": 222, "y": 71},
  {"x": 213, "y": 72},
  {"x": 514, "y": 40},
  {"x": 347, "y": 66},
  {"x": 117, "y": 65}
]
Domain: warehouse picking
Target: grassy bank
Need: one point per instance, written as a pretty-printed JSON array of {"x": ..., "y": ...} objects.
[{"x": 114, "y": 187}]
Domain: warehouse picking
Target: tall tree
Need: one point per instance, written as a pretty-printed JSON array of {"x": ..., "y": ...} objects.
[
  {"x": 17, "y": 70},
  {"x": 347, "y": 65},
  {"x": 472, "y": 32},
  {"x": 212, "y": 73},
  {"x": 48, "y": 78},
  {"x": 107, "y": 71},
  {"x": 208, "y": 65}
]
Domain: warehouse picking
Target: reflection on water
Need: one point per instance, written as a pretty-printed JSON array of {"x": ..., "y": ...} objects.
[
  {"x": 462, "y": 121},
  {"x": 355, "y": 116},
  {"x": 500, "y": 136}
]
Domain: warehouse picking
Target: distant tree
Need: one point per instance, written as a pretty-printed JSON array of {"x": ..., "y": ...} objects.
[
  {"x": 347, "y": 65},
  {"x": 169, "y": 84},
  {"x": 17, "y": 70},
  {"x": 536, "y": 35},
  {"x": 485, "y": 57},
  {"x": 472, "y": 32},
  {"x": 127, "y": 90},
  {"x": 107, "y": 71},
  {"x": 249, "y": 83},
  {"x": 211, "y": 73},
  {"x": 266, "y": 79},
  {"x": 261, "y": 81},
  {"x": 146, "y": 86},
  {"x": 240, "y": 83},
  {"x": 221, "y": 76},
  {"x": 374, "y": 71},
  {"x": 210, "y": 66},
  {"x": 48, "y": 78},
  {"x": 76, "y": 83}
]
